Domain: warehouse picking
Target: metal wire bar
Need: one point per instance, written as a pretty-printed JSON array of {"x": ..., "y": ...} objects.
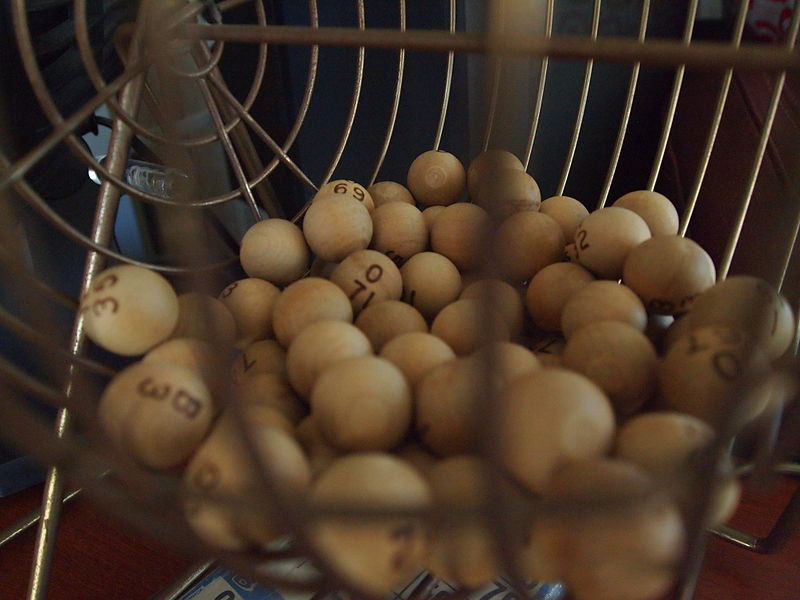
[
  {"x": 733, "y": 239},
  {"x": 22, "y": 525},
  {"x": 13, "y": 174},
  {"x": 22, "y": 275},
  {"x": 230, "y": 151},
  {"x": 626, "y": 111},
  {"x": 63, "y": 130},
  {"x": 306, "y": 100},
  {"x": 259, "y": 130},
  {"x": 175, "y": 17},
  {"x": 700, "y": 55},
  {"x": 351, "y": 115},
  {"x": 537, "y": 108},
  {"x": 780, "y": 532},
  {"x": 401, "y": 61},
  {"x": 60, "y": 224},
  {"x": 787, "y": 257},
  {"x": 105, "y": 216},
  {"x": 673, "y": 99},
  {"x": 705, "y": 157},
  {"x": 587, "y": 81},
  {"x": 448, "y": 81},
  {"x": 497, "y": 71},
  {"x": 45, "y": 346}
]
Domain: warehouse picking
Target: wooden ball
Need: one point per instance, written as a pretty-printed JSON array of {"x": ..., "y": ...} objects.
[
  {"x": 662, "y": 442},
  {"x": 548, "y": 418},
  {"x": 446, "y": 406},
  {"x": 656, "y": 210},
  {"x": 668, "y": 273},
  {"x": 430, "y": 282},
  {"x": 317, "y": 347},
  {"x": 602, "y": 301},
  {"x": 205, "y": 318},
  {"x": 628, "y": 550},
  {"x": 502, "y": 297},
  {"x": 525, "y": 243},
  {"x": 271, "y": 391},
  {"x": 367, "y": 277},
  {"x": 227, "y": 506},
  {"x": 373, "y": 555},
  {"x": 750, "y": 304},
  {"x": 347, "y": 188},
  {"x": 275, "y": 250},
  {"x": 549, "y": 350},
  {"x": 416, "y": 353},
  {"x": 617, "y": 357},
  {"x": 565, "y": 211},
  {"x": 506, "y": 191},
  {"x": 250, "y": 302},
  {"x": 158, "y": 413},
  {"x": 606, "y": 237},
  {"x": 549, "y": 291},
  {"x": 264, "y": 356},
  {"x": 436, "y": 177},
  {"x": 463, "y": 548},
  {"x": 466, "y": 325},
  {"x": 665, "y": 445},
  {"x": 430, "y": 214},
  {"x": 336, "y": 226},
  {"x": 384, "y": 192},
  {"x": 399, "y": 231},
  {"x": 305, "y": 302},
  {"x": 505, "y": 362},
  {"x": 200, "y": 357},
  {"x": 384, "y": 321},
  {"x": 461, "y": 232},
  {"x": 713, "y": 373},
  {"x": 487, "y": 163},
  {"x": 362, "y": 403},
  {"x": 129, "y": 309}
]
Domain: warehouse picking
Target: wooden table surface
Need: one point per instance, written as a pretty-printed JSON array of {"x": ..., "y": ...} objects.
[{"x": 98, "y": 558}]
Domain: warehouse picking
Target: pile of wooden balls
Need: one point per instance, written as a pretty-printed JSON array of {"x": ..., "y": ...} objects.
[{"x": 591, "y": 355}]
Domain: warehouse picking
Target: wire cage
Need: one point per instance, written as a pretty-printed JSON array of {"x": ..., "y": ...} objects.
[{"x": 154, "y": 133}]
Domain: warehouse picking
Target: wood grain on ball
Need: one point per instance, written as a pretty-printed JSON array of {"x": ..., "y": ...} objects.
[
  {"x": 275, "y": 250},
  {"x": 129, "y": 309}
]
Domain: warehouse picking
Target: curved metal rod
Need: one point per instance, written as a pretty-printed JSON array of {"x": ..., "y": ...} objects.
[
  {"x": 351, "y": 115},
  {"x": 313, "y": 61},
  {"x": 21, "y": 274},
  {"x": 68, "y": 230},
  {"x": 537, "y": 108},
  {"x": 401, "y": 61},
  {"x": 700, "y": 55},
  {"x": 178, "y": 16},
  {"x": 447, "y": 82},
  {"x": 626, "y": 111},
  {"x": 283, "y": 157},
  {"x": 45, "y": 345},
  {"x": 587, "y": 81},
  {"x": 761, "y": 149},
  {"x": 722, "y": 98},
  {"x": 63, "y": 130},
  {"x": 673, "y": 99},
  {"x": 230, "y": 152}
]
